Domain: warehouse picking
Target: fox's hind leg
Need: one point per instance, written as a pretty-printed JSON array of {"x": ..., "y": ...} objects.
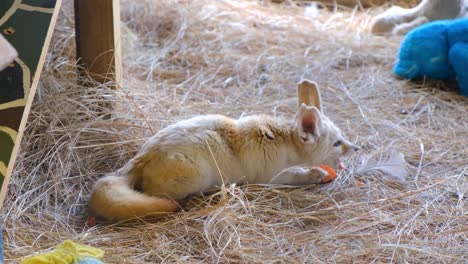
[{"x": 174, "y": 176}]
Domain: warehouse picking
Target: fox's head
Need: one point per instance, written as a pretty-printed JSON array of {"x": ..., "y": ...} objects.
[{"x": 323, "y": 142}]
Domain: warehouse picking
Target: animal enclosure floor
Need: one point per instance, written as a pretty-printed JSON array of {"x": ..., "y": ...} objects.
[{"x": 184, "y": 58}]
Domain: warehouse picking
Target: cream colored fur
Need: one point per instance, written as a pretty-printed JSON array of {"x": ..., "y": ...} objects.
[
  {"x": 398, "y": 21},
  {"x": 202, "y": 153}
]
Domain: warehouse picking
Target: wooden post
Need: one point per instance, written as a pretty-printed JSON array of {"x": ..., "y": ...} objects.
[{"x": 98, "y": 44}]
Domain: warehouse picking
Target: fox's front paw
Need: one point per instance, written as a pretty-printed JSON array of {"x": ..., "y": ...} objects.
[
  {"x": 397, "y": 21},
  {"x": 384, "y": 23},
  {"x": 322, "y": 174}
]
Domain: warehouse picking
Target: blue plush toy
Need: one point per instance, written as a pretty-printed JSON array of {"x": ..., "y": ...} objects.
[{"x": 437, "y": 50}]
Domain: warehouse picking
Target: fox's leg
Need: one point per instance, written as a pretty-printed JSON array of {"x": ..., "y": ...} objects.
[
  {"x": 407, "y": 19},
  {"x": 174, "y": 176},
  {"x": 303, "y": 176},
  {"x": 386, "y": 22},
  {"x": 404, "y": 28}
]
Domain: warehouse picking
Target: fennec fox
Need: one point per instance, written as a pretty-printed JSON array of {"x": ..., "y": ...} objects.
[{"x": 202, "y": 153}]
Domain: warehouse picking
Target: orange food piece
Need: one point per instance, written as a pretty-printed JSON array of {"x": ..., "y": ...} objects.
[{"x": 331, "y": 173}]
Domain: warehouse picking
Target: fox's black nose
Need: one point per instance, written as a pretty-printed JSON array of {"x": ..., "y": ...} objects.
[{"x": 355, "y": 148}]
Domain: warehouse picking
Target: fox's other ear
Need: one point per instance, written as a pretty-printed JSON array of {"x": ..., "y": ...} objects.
[
  {"x": 308, "y": 93},
  {"x": 309, "y": 123}
]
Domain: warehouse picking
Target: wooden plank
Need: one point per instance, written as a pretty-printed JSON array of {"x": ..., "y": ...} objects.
[
  {"x": 98, "y": 39},
  {"x": 28, "y": 26}
]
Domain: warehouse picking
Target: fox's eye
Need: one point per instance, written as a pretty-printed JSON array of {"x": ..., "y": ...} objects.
[{"x": 337, "y": 143}]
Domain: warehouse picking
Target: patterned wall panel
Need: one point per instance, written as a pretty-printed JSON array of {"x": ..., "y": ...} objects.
[{"x": 25, "y": 24}]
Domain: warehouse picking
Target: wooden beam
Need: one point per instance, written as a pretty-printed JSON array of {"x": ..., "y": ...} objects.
[{"x": 98, "y": 43}]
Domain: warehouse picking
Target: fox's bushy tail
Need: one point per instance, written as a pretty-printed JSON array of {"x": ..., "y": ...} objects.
[{"x": 114, "y": 199}]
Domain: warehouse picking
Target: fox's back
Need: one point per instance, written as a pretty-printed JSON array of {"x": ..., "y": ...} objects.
[
  {"x": 196, "y": 134},
  {"x": 246, "y": 147},
  {"x": 218, "y": 131}
]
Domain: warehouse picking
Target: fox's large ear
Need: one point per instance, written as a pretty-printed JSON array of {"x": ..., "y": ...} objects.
[
  {"x": 309, "y": 123},
  {"x": 308, "y": 93}
]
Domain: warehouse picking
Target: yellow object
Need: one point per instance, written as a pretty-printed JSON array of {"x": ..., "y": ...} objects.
[{"x": 68, "y": 252}]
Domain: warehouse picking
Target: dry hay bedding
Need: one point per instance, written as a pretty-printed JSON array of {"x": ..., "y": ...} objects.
[{"x": 237, "y": 58}]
